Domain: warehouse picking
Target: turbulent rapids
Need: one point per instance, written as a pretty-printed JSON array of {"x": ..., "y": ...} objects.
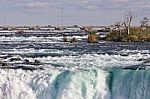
[{"x": 47, "y": 68}]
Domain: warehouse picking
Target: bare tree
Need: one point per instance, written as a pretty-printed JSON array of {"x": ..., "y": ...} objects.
[
  {"x": 118, "y": 25},
  {"x": 127, "y": 21},
  {"x": 144, "y": 22}
]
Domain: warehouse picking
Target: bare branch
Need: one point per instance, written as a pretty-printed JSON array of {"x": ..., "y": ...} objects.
[{"x": 144, "y": 22}]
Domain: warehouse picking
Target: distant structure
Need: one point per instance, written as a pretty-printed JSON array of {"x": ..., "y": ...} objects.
[{"x": 62, "y": 16}]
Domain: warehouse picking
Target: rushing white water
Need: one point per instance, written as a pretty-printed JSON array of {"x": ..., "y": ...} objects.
[
  {"x": 37, "y": 39},
  {"x": 50, "y": 84},
  {"x": 72, "y": 71},
  {"x": 55, "y": 83}
]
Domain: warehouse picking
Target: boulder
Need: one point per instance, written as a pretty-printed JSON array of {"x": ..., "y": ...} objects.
[
  {"x": 65, "y": 39},
  {"x": 73, "y": 40},
  {"x": 3, "y": 64},
  {"x": 14, "y": 59},
  {"x": 26, "y": 61},
  {"x": 36, "y": 62}
]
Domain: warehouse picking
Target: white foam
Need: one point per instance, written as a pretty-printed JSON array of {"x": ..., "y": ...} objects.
[
  {"x": 19, "y": 84},
  {"x": 94, "y": 60},
  {"x": 85, "y": 85}
]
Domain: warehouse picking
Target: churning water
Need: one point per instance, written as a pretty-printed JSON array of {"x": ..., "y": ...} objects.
[{"x": 74, "y": 71}]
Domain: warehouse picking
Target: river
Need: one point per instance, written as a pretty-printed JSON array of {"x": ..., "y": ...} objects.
[{"x": 74, "y": 70}]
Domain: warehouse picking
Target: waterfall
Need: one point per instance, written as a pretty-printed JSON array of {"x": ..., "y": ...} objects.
[
  {"x": 91, "y": 84},
  {"x": 130, "y": 84},
  {"x": 80, "y": 84}
]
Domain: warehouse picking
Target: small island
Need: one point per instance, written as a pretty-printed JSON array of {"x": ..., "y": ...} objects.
[{"x": 124, "y": 32}]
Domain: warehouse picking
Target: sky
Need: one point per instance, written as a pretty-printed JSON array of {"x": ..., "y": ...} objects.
[{"x": 79, "y": 12}]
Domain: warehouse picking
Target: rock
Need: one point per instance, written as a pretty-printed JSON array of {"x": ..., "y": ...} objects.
[
  {"x": 36, "y": 61},
  {"x": 146, "y": 60},
  {"x": 6, "y": 56},
  {"x": 3, "y": 64},
  {"x": 24, "y": 68},
  {"x": 14, "y": 59},
  {"x": 31, "y": 45},
  {"x": 136, "y": 67},
  {"x": 65, "y": 39},
  {"x": 26, "y": 61},
  {"x": 73, "y": 40}
]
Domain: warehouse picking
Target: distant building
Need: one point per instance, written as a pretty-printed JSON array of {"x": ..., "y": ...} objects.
[
  {"x": 1, "y": 28},
  {"x": 23, "y": 28},
  {"x": 75, "y": 29},
  {"x": 47, "y": 28}
]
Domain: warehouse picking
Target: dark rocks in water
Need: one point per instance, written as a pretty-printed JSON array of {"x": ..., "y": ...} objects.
[
  {"x": 144, "y": 60},
  {"x": 65, "y": 39},
  {"x": 134, "y": 68},
  {"x": 141, "y": 59},
  {"x": 26, "y": 60},
  {"x": 31, "y": 45},
  {"x": 73, "y": 40},
  {"x": 36, "y": 62},
  {"x": 147, "y": 60},
  {"x": 124, "y": 54},
  {"x": 143, "y": 65},
  {"x": 15, "y": 59},
  {"x": 6, "y": 56},
  {"x": 3, "y": 64},
  {"x": 137, "y": 67},
  {"x": 23, "y": 68}
]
